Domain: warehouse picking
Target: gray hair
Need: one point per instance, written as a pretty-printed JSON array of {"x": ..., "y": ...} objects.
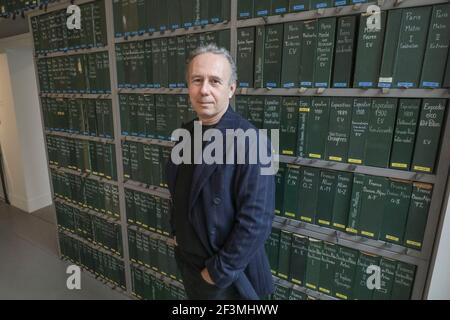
[{"x": 214, "y": 49}]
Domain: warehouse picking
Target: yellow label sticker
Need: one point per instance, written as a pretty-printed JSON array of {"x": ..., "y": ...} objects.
[
  {"x": 289, "y": 214},
  {"x": 342, "y": 296},
  {"x": 425, "y": 169},
  {"x": 288, "y": 152},
  {"x": 311, "y": 286},
  {"x": 324, "y": 290},
  {"x": 367, "y": 233},
  {"x": 392, "y": 238},
  {"x": 356, "y": 161},
  {"x": 399, "y": 165},
  {"x": 414, "y": 243}
]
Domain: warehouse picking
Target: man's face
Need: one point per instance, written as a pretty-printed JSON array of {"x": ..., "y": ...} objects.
[{"x": 209, "y": 86}]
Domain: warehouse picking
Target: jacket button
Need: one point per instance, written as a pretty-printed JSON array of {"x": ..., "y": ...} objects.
[{"x": 217, "y": 200}]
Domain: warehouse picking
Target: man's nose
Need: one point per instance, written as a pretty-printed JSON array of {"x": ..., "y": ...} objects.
[{"x": 204, "y": 90}]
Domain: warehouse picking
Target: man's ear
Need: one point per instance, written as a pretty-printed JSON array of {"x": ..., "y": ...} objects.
[{"x": 232, "y": 89}]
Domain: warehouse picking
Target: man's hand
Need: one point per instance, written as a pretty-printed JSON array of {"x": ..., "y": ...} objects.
[{"x": 206, "y": 277}]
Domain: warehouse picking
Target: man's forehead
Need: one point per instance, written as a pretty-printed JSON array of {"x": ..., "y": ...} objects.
[{"x": 213, "y": 64}]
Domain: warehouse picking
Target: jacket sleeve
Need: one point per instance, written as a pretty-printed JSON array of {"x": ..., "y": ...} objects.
[{"x": 255, "y": 204}]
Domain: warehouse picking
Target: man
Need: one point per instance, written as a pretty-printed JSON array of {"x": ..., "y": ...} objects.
[{"x": 222, "y": 214}]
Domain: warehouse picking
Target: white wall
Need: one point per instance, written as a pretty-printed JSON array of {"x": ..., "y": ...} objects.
[
  {"x": 9, "y": 138},
  {"x": 21, "y": 134},
  {"x": 439, "y": 288}
]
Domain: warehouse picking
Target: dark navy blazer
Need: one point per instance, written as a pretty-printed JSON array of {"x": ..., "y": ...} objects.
[{"x": 231, "y": 208}]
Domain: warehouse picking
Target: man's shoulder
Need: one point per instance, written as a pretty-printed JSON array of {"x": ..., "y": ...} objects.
[{"x": 239, "y": 122}]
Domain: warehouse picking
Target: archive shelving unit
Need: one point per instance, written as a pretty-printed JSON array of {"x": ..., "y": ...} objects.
[{"x": 421, "y": 259}]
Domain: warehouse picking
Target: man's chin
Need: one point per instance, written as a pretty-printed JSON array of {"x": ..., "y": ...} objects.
[
  {"x": 205, "y": 113},
  {"x": 206, "y": 106}
]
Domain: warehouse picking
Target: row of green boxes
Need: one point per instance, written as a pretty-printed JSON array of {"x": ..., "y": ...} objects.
[
  {"x": 336, "y": 270},
  {"x": 142, "y": 16},
  {"x": 51, "y": 34},
  {"x": 101, "y": 264},
  {"x": 374, "y": 207},
  {"x": 154, "y": 116},
  {"x": 84, "y": 156},
  {"x": 90, "y": 227},
  {"x": 153, "y": 252},
  {"x": 14, "y": 7},
  {"x": 151, "y": 286},
  {"x": 342, "y": 52},
  {"x": 79, "y": 73},
  {"x": 148, "y": 211},
  {"x": 248, "y": 9},
  {"x": 145, "y": 163},
  {"x": 86, "y": 192},
  {"x": 401, "y": 134},
  {"x": 284, "y": 291},
  {"x": 89, "y": 117},
  {"x": 161, "y": 62}
]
